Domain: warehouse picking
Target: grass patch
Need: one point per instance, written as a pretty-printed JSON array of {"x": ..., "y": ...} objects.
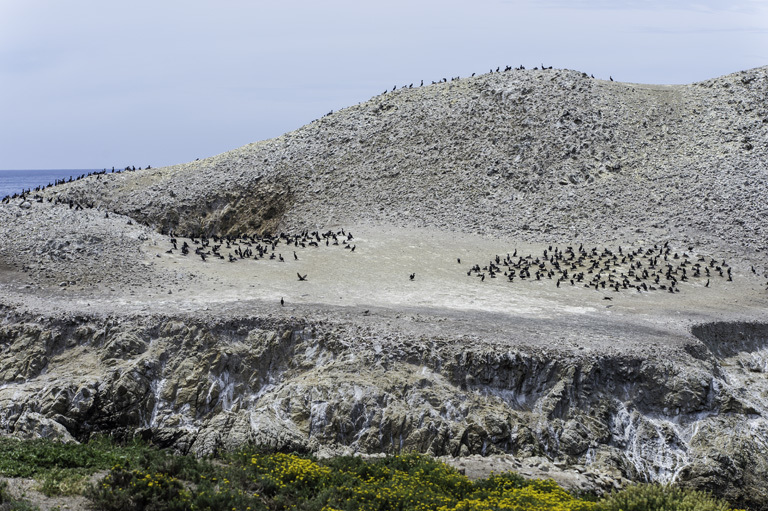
[
  {"x": 28, "y": 458},
  {"x": 63, "y": 481},
  {"x": 64, "y": 469}
]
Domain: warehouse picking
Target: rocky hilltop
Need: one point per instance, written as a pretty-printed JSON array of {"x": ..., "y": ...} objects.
[
  {"x": 631, "y": 344},
  {"x": 549, "y": 154}
]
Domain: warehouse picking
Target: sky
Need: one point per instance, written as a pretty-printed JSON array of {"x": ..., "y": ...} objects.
[{"x": 91, "y": 84}]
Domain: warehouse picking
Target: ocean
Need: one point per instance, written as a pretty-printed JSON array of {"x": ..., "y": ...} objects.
[{"x": 14, "y": 181}]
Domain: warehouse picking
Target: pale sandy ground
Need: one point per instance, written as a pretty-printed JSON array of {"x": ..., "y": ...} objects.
[
  {"x": 342, "y": 284},
  {"x": 377, "y": 273}
]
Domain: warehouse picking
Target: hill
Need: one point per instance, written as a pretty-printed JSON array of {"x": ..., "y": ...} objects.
[{"x": 545, "y": 154}]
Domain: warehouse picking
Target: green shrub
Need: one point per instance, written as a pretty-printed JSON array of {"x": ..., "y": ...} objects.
[
  {"x": 63, "y": 469},
  {"x": 20, "y": 458},
  {"x": 135, "y": 490},
  {"x": 510, "y": 492},
  {"x": 26, "y": 458},
  {"x": 657, "y": 497},
  {"x": 501, "y": 482}
]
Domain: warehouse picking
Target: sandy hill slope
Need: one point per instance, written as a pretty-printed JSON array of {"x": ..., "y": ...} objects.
[{"x": 548, "y": 154}]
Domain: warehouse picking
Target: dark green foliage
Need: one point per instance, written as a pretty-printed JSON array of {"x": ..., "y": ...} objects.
[
  {"x": 27, "y": 458},
  {"x": 135, "y": 491},
  {"x": 656, "y": 497}
]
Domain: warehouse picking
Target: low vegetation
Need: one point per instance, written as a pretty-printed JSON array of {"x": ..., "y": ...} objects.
[{"x": 137, "y": 476}]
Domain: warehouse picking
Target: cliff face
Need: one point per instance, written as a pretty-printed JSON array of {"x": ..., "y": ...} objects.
[
  {"x": 393, "y": 343},
  {"x": 697, "y": 416}
]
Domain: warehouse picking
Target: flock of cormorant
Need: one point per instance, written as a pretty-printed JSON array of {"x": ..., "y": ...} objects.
[
  {"x": 655, "y": 268},
  {"x": 455, "y": 78},
  {"x": 77, "y": 206},
  {"x": 25, "y": 193},
  {"x": 256, "y": 247},
  {"x": 641, "y": 269}
]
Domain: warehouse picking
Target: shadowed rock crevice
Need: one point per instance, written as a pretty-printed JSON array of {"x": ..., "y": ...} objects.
[
  {"x": 728, "y": 339},
  {"x": 258, "y": 209}
]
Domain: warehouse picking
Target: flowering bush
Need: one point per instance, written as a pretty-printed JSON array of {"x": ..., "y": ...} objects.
[
  {"x": 141, "y": 477},
  {"x": 536, "y": 495}
]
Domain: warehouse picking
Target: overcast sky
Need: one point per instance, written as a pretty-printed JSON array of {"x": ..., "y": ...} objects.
[{"x": 94, "y": 84}]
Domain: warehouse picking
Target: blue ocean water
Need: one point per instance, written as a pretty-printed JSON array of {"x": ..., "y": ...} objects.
[{"x": 14, "y": 181}]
